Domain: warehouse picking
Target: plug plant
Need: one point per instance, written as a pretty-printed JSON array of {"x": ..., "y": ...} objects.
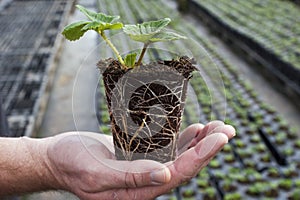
[{"x": 145, "y": 106}]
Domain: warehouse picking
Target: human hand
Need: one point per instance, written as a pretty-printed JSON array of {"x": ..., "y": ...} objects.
[{"x": 84, "y": 164}]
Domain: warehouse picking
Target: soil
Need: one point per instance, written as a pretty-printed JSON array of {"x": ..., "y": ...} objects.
[
  {"x": 206, "y": 197},
  {"x": 229, "y": 188},
  {"x": 145, "y": 106}
]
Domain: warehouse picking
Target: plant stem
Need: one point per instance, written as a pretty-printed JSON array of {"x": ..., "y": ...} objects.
[
  {"x": 110, "y": 44},
  {"x": 142, "y": 54}
]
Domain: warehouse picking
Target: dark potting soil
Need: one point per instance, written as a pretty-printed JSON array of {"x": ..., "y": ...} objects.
[{"x": 145, "y": 106}]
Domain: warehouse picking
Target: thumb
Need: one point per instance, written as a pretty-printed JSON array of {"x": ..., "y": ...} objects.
[{"x": 138, "y": 173}]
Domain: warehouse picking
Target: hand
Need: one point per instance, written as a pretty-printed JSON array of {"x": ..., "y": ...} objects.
[{"x": 84, "y": 164}]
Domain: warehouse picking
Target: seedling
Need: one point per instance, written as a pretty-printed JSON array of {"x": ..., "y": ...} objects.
[
  {"x": 266, "y": 157},
  {"x": 203, "y": 174},
  {"x": 280, "y": 138},
  {"x": 239, "y": 143},
  {"x": 297, "y": 183},
  {"x": 145, "y": 101},
  {"x": 257, "y": 189},
  {"x": 210, "y": 193},
  {"x": 255, "y": 139},
  {"x": 290, "y": 172},
  {"x": 259, "y": 148},
  {"x": 257, "y": 176},
  {"x": 271, "y": 190},
  {"x": 286, "y": 184},
  {"x": 292, "y": 133},
  {"x": 202, "y": 183},
  {"x": 146, "y": 33},
  {"x": 188, "y": 193},
  {"x": 228, "y": 186},
  {"x": 295, "y": 195},
  {"x": 288, "y": 151},
  {"x": 227, "y": 148},
  {"x": 273, "y": 172},
  {"x": 233, "y": 196},
  {"x": 244, "y": 153},
  {"x": 229, "y": 158},
  {"x": 215, "y": 164}
]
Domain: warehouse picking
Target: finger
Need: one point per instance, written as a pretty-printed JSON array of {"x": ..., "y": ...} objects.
[
  {"x": 187, "y": 165},
  {"x": 186, "y": 137},
  {"x": 138, "y": 173},
  {"x": 191, "y": 161},
  {"x": 226, "y": 129},
  {"x": 208, "y": 128},
  {"x": 211, "y": 126}
]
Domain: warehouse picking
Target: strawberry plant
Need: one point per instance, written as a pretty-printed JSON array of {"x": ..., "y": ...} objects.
[{"x": 145, "y": 106}]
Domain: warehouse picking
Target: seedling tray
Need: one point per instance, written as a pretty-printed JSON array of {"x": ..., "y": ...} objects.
[
  {"x": 29, "y": 41},
  {"x": 276, "y": 69}
]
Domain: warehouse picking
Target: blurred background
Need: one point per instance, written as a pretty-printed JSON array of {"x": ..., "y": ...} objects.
[{"x": 248, "y": 53}]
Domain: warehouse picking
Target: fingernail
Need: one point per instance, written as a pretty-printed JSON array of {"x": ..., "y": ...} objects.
[
  {"x": 230, "y": 130},
  {"x": 160, "y": 176},
  {"x": 213, "y": 125},
  {"x": 226, "y": 129}
]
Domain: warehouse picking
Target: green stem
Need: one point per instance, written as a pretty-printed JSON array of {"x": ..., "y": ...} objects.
[
  {"x": 142, "y": 54},
  {"x": 110, "y": 44}
]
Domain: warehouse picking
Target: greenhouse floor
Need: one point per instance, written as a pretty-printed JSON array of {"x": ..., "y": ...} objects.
[{"x": 66, "y": 113}]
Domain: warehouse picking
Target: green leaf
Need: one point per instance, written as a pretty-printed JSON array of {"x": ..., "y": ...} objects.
[
  {"x": 166, "y": 36},
  {"x": 96, "y": 26},
  {"x": 99, "y": 22},
  {"x": 98, "y": 17},
  {"x": 145, "y": 31},
  {"x": 74, "y": 31},
  {"x": 130, "y": 59}
]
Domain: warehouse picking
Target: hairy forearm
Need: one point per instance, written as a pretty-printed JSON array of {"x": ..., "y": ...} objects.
[{"x": 24, "y": 166}]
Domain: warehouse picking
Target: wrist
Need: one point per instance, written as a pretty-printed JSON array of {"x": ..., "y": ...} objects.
[{"x": 46, "y": 175}]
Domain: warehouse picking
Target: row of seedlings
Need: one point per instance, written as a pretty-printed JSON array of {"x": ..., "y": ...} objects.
[
  {"x": 268, "y": 37},
  {"x": 272, "y": 23}
]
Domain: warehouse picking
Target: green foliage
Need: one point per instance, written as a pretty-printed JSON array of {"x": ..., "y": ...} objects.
[
  {"x": 97, "y": 17},
  {"x": 130, "y": 59},
  {"x": 210, "y": 192},
  {"x": 150, "y": 32},
  {"x": 295, "y": 194},
  {"x": 98, "y": 22},
  {"x": 215, "y": 163},
  {"x": 166, "y": 36},
  {"x": 202, "y": 183},
  {"x": 147, "y": 32},
  {"x": 74, "y": 31},
  {"x": 286, "y": 184},
  {"x": 233, "y": 196}
]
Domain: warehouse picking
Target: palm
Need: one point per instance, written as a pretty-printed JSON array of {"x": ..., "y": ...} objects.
[{"x": 88, "y": 167}]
